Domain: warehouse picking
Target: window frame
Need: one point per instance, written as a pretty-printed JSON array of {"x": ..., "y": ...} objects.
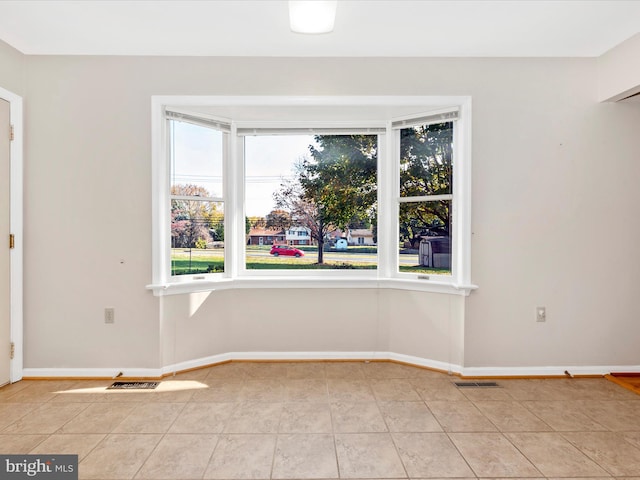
[
  {"x": 451, "y": 197},
  {"x": 305, "y": 128},
  {"x": 224, "y": 130},
  {"x": 387, "y": 274}
]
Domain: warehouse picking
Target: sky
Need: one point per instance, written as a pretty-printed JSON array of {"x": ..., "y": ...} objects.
[{"x": 268, "y": 159}]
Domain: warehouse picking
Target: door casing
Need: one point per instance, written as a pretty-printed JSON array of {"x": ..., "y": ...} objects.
[{"x": 16, "y": 227}]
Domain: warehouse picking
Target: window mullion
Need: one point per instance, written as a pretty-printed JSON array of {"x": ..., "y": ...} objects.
[
  {"x": 235, "y": 177},
  {"x": 387, "y": 216}
]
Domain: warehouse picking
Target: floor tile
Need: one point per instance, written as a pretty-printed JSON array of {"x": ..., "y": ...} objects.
[
  {"x": 305, "y": 456},
  {"x": 12, "y": 412},
  {"x": 615, "y": 415},
  {"x": 179, "y": 457},
  {"x": 491, "y": 455},
  {"x": 344, "y": 370},
  {"x": 601, "y": 389},
  {"x": 242, "y": 457},
  {"x": 14, "y": 444},
  {"x": 176, "y": 391},
  {"x": 633, "y": 438},
  {"x": 591, "y": 478},
  {"x": 383, "y": 370},
  {"x": 305, "y": 417},
  {"x": 227, "y": 371},
  {"x": 511, "y": 417},
  {"x": 203, "y": 417},
  {"x": 255, "y": 417},
  {"x": 563, "y": 416},
  {"x": 75, "y": 444},
  {"x": 46, "y": 419},
  {"x": 427, "y": 373},
  {"x": 483, "y": 394},
  {"x": 609, "y": 450},
  {"x": 126, "y": 396},
  {"x": 540, "y": 390},
  {"x": 118, "y": 456},
  {"x": 88, "y": 391},
  {"x": 409, "y": 417},
  {"x": 430, "y": 455},
  {"x": 98, "y": 418},
  {"x": 271, "y": 390},
  {"x": 306, "y": 390},
  {"x": 266, "y": 370},
  {"x": 368, "y": 455},
  {"x": 438, "y": 390},
  {"x": 554, "y": 456},
  {"x": 283, "y": 420},
  {"x": 219, "y": 391},
  {"x": 341, "y": 390},
  {"x": 40, "y": 392},
  {"x": 150, "y": 418},
  {"x": 460, "y": 417},
  {"x": 357, "y": 417},
  {"x": 398, "y": 390},
  {"x": 7, "y": 391},
  {"x": 306, "y": 370}
]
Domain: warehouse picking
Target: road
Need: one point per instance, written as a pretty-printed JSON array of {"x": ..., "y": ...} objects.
[
  {"x": 343, "y": 257},
  {"x": 328, "y": 256}
]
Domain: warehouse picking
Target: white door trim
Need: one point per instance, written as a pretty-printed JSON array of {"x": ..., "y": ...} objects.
[{"x": 16, "y": 226}]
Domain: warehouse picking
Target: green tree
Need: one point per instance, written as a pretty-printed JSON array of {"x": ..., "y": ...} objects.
[
  {"x": 333, "y": 187},
  {"x": 258, "y": 222},
  {"x": 278, "y": 219},
  {"x": 190, "y": 219},
  {"x": 426, "y": 154}
]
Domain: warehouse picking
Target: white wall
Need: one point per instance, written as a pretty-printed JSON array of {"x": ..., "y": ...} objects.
[
  {"x": 554, "y": 221},
  {"x": 11, "y": 69},
  {"x": 619, "y": 70},
  {"x": 555, "y": 225}
]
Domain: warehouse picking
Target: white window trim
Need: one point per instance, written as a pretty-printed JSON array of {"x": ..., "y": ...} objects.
[{"x": 387, "y": 275}]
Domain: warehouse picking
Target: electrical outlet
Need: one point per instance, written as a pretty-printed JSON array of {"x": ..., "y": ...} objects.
[
  {"x": 109, "y": 315},
  {"x": 541, "y": 314}
]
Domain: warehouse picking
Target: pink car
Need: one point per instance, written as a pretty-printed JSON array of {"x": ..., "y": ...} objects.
[{"x": 286, "y": 250}]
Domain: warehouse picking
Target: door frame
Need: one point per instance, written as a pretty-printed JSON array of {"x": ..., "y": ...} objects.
[{"x": 16, "y": 226}]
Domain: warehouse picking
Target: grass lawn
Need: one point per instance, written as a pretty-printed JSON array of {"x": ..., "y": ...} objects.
[
  {"x": 304, "y": 263},
  {"x": 197, "y": 265},
  {"x": 421, "y": 269},
  {"x": 203, "y": 261},
  {"x": 184, "y": 262}
]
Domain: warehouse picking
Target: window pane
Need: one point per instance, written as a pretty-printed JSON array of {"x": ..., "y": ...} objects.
[
  {"x": 311, "y": 201},
  {"x": 425, "y": 237},
  {"x": 197, "y": 237},
  {"x": 196, "y": 160},
  {"x": 425, "y": 160}
]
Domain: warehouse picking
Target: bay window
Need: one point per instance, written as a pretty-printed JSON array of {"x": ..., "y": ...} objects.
[{"x": 323, "y": 192}]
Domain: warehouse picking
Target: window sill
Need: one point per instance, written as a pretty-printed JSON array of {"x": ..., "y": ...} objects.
[{"x": 206, "y": 285}]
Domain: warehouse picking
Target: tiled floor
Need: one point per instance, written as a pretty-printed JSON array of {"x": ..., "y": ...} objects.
[{"x": 328, "y": 420}]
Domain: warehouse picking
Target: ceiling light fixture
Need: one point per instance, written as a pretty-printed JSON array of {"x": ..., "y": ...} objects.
[{"x": 312, "y": 16}]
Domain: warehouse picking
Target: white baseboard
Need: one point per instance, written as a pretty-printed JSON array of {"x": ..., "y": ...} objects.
[
  {"x": 90, "y": 372},
  {"x": 274, "y": 356},
  {"x": 293, "y": 356},
  {"x": 546, "y": 371},
  {"x": 425, "y": 362}
]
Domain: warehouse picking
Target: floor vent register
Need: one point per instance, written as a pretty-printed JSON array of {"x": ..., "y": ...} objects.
[
  {"x": 133, "y": 385},
  {"x": 476, "y": 384}
]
